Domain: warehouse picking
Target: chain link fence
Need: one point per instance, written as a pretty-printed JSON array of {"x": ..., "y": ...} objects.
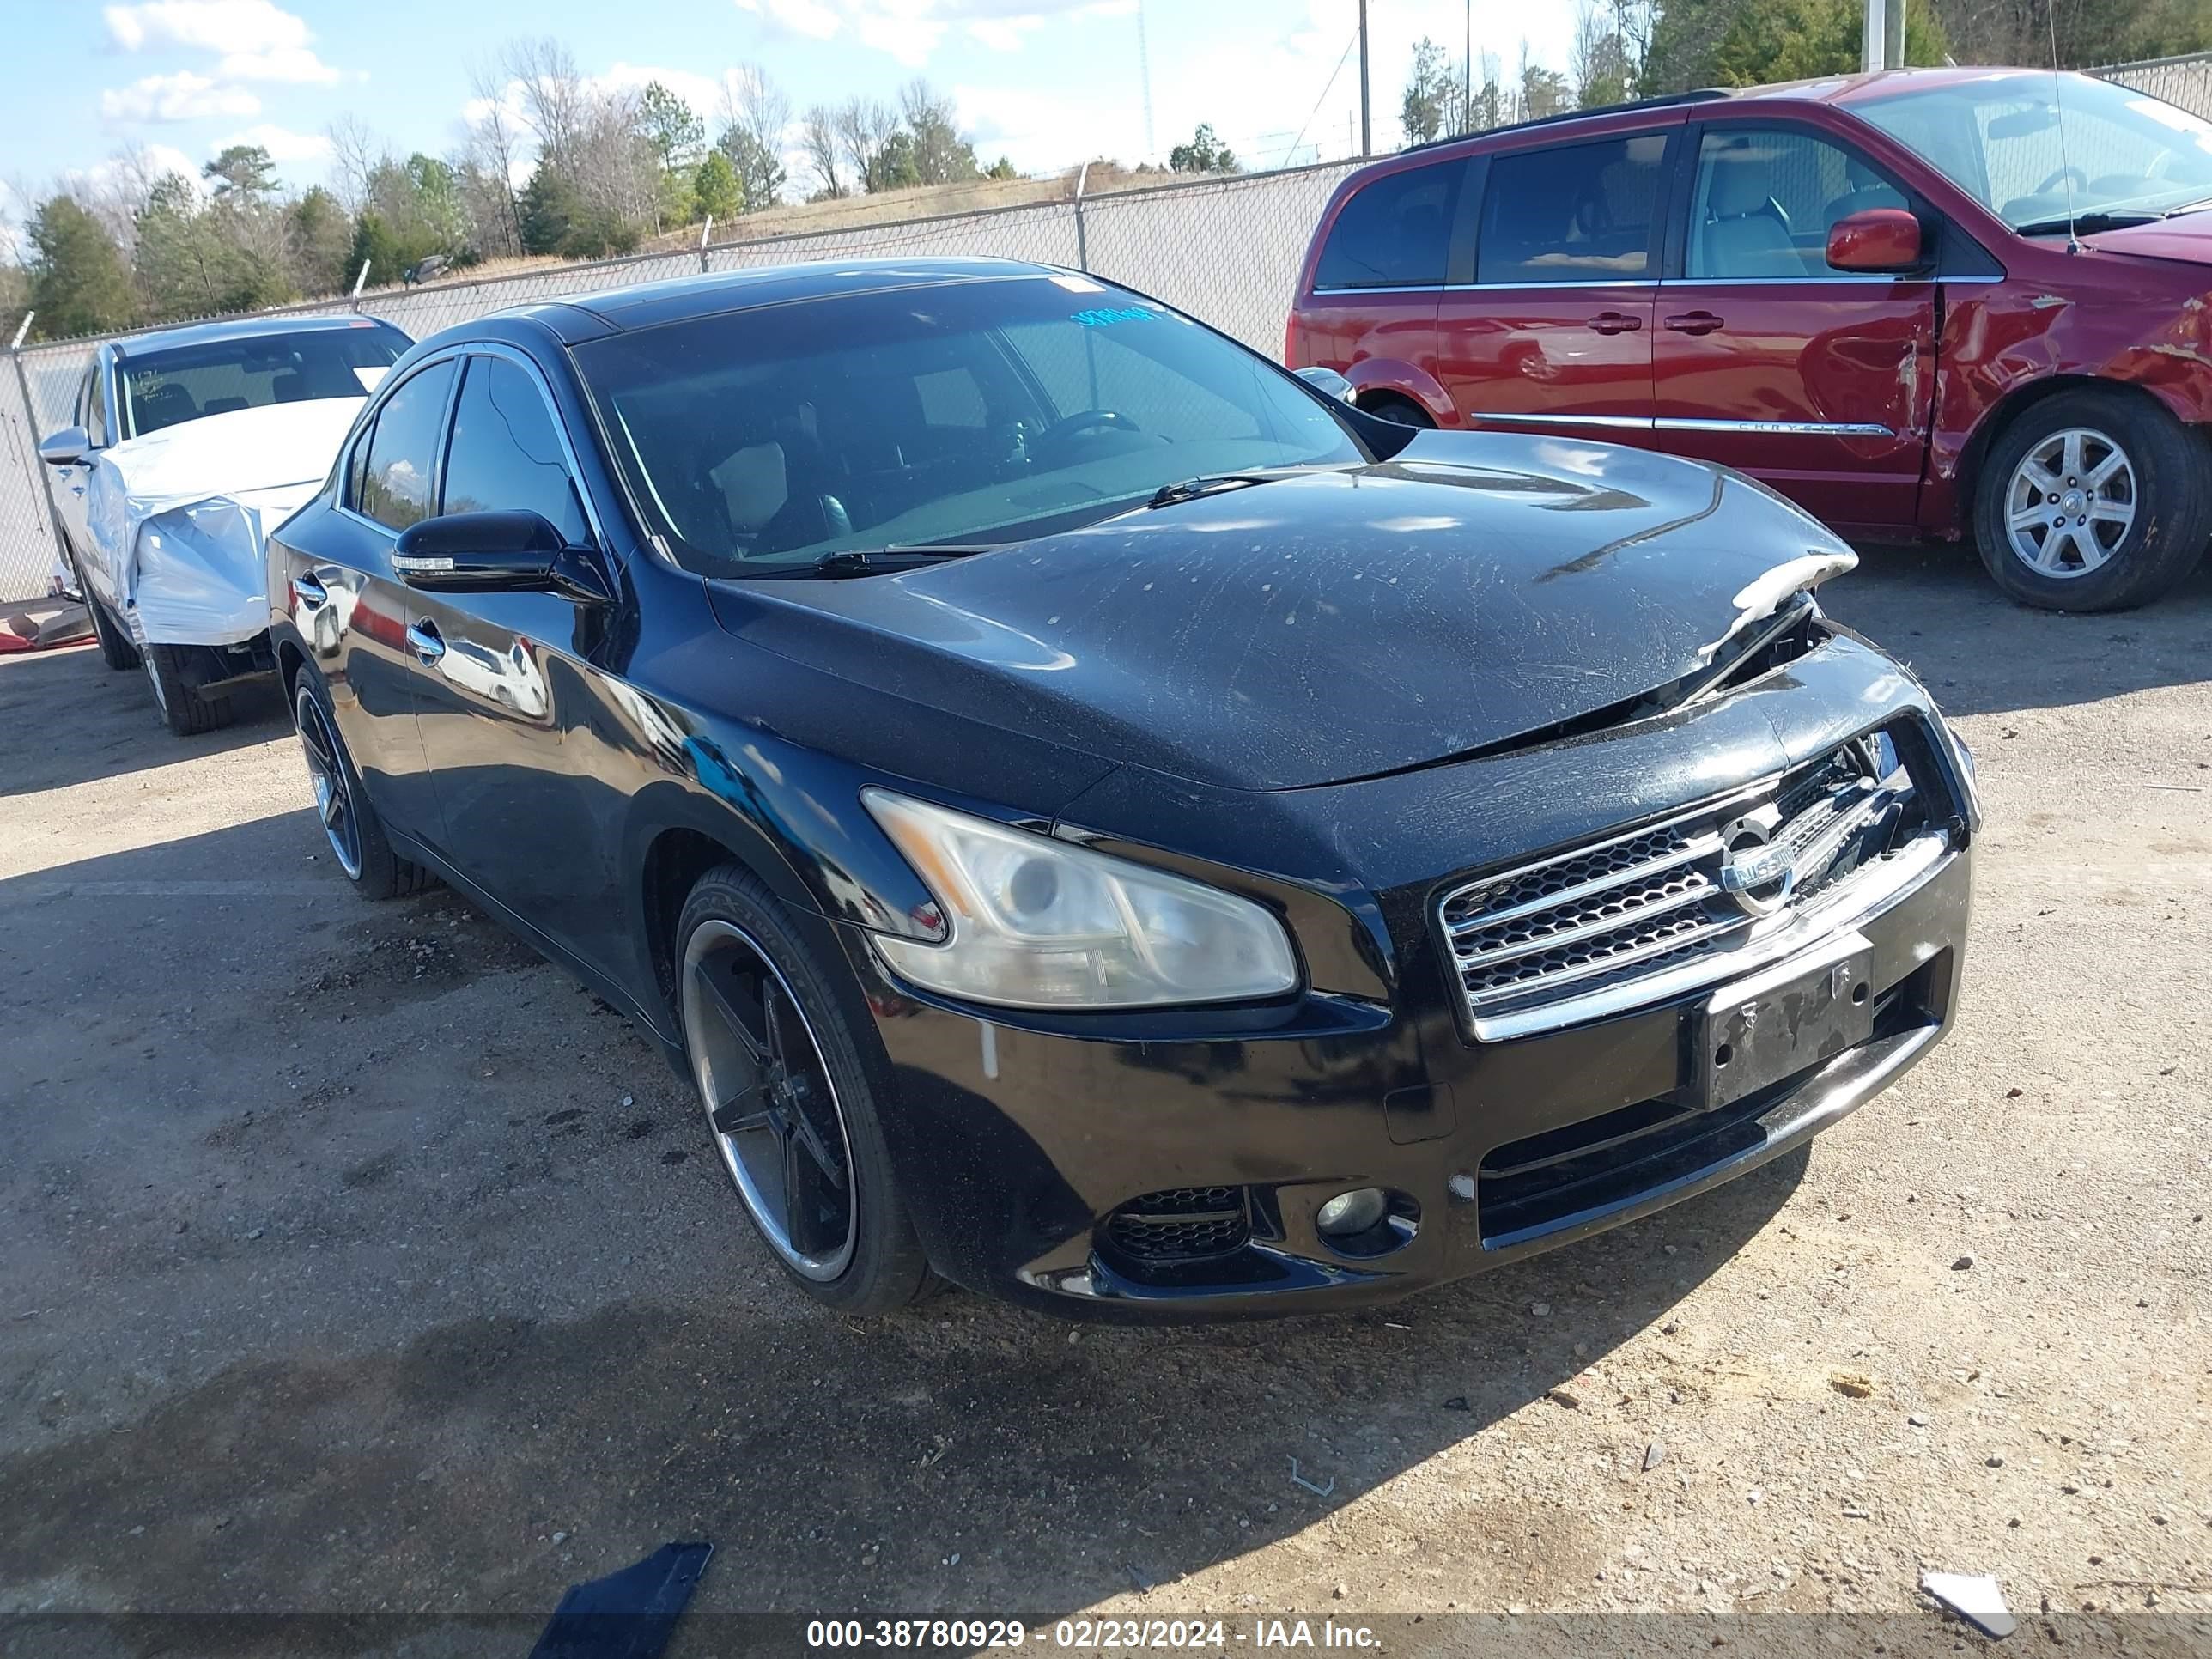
[{"x": 1224, "y": 249}]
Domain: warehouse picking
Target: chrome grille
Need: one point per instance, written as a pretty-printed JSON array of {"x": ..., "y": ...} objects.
[{"x": 1649, "y": 900}]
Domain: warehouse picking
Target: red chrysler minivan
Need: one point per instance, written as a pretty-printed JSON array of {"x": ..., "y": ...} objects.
[{"x": 1940, "y": 302}]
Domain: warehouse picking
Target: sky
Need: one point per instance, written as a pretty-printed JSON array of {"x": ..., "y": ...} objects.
[{"x": 1047, "y": 83}]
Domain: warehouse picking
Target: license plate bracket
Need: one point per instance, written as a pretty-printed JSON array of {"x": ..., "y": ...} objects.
[{"x": 1774, "y": 1023}]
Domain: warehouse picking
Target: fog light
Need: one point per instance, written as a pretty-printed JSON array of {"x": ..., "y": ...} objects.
[{"x": 1350, "y": 1214}]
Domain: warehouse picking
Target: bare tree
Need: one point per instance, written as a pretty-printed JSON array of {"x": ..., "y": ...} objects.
[
  {"x": 116, "y": 193},
  {"x": 818, "y": 138},
  {"x": 863, "y": 126},
  {"x": 355, "y": 153},
  {"x": 555, "y": 102},
  {"x": 756, "y": 106},
  {"x": 489, "y": 162},
  {"x": 1598, "y": 65}
]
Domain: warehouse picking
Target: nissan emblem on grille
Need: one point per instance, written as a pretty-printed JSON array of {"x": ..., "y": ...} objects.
[
  {"x": 1651, "y": 911},
  {"x": 1756, "y": 873}
]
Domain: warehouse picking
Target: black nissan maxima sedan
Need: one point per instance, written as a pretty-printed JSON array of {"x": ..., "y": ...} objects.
[{"x": 1098, "y": 818}]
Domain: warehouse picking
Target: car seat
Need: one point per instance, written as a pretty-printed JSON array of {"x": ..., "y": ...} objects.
[{"x": 1746, "y": 233}]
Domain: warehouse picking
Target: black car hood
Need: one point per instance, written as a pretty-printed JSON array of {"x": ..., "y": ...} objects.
[{"x": 1327, "y": 626}]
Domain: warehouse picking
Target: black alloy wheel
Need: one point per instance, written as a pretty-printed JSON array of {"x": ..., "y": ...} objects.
[{"x": 788, "y": 1099}]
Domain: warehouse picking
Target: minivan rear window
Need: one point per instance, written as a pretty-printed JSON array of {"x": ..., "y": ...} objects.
[
  {"x": 1584, "y": 213},
  {"x": 1395, "y": 232}
]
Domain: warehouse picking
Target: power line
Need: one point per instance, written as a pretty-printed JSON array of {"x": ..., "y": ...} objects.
[{"x": 1323, "y": 99}]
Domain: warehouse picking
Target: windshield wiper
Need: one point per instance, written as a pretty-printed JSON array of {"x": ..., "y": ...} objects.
[
  {"x": 2097, "y": 219},
  {"x": 1189, "y": 489},
  {"x": 895, "y": 556}
]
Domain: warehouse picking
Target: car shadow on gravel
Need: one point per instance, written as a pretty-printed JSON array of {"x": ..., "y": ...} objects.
[
  {"x": 966, "y": 1457},
  {"x": 1935, "y": 607},
  {"x": 98, "y": 722}
]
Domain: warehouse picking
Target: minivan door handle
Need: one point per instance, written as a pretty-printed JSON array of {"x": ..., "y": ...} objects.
[
  {"x": 1615, "y": 322},
  {"x": 1696, "y": 322},
  {"x": 424, "y": 637}
]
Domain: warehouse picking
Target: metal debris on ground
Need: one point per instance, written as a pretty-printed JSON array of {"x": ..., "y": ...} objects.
[
  {"x": 1975, "y": 1598},
  {"x": 1298, "y": 1480}
]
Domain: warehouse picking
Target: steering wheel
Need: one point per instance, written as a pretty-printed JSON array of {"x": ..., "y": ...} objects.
[
  {"x": 2079, "y": 177},
  {"x": 1082, "y": 420}
]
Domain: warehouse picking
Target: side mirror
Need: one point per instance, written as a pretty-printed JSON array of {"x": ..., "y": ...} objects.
[
  {"x": 1327, "y": 381},
  {"x": 496, "y": 553},
  {"x": 1877, "y": 239},
  {"x": 67, "y": 447}
]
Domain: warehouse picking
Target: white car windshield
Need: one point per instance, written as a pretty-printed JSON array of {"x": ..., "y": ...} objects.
[
  {"x": 2038, "y": 153},
  {"x": 168, "y": 385},
  {"x": 976, "y": 410}
]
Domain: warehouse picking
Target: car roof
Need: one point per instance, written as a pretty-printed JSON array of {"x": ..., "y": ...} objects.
[
  {"x": 646, "y": 304},
  {"x": 238, "y": 328},
  {"x": 1843, "y": 89}
]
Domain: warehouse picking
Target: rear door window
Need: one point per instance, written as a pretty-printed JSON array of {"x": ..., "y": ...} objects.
[
  {"x": 397, "y": 483},
  {"x": 1579, "y": 213},
  {"x": 1396, "y": 233}
]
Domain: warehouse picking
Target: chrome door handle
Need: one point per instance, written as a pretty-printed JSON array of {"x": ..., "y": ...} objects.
[
  {"x": 310, "y": 593},
  {"x": 1615, "y": 322},
  {"x": 423, "y": 636},
  {"x": 1696, "y": 322}
]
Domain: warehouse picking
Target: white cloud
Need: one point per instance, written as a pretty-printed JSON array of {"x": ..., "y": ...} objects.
[
  {"x": 283, "y": 144},
  {"x": 810, "y": 18},
  {"x": 255, "y": 39},
  {"x": 1003, "y": 34},
  {"x": 182, "y": 96},
  {"x": 295, "y": 63}
]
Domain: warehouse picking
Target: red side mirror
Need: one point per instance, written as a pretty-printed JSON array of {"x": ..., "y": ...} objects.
[{"x": 1878, "y": 239}]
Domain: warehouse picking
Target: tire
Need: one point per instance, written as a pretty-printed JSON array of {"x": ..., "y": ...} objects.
[
  {"x": 115, "y": 647},
  {"x": 184, "y": 709},
  {"x": 740, "y": 963},
  {"x": 1399, "y": 412},
  {"x": 349, "y": 822},
  {"x": 2128, "y": 494}
]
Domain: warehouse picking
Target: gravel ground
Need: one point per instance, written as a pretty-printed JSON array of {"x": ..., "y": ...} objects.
[{"x": 358, "y": 1261}]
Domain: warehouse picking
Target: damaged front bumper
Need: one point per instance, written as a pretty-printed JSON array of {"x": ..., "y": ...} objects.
[{"x": 1177, "y": 1165}]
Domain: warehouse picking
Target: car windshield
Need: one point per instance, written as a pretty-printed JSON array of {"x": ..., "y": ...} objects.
[
  {"x": 2016, "y": 141},
  {"x": 967, "y": 411},
  {"x": 168, "y": 388}
]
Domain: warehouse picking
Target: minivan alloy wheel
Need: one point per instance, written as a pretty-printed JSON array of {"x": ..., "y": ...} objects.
[
  {"x": 334, "y": 802},
  {"x": 2071, "y": 501},
  {"x": 770, "y": 1101}
]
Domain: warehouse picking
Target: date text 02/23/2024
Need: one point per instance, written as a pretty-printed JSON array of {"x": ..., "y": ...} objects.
[{"x": 1087, "y": 1635}]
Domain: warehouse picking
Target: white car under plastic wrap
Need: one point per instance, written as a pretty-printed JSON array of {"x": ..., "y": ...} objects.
[{"x": 179, "y": 517}]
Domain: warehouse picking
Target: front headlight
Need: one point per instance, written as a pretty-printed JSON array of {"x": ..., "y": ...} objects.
[{"x": 1036, "y": 923}]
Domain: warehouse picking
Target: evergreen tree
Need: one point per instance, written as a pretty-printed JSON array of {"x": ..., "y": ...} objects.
[
  {"x": 78, "y": 281},
  {"x": 715, "y": 189}
]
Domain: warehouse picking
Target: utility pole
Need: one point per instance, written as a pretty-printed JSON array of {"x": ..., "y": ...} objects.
[
  {"x": 1893, "y": 55},
  {"x": 1466, "y": 72},
  {"x": 1874, "y": 44},
  {"x": 1366, "y": 131},
  {"x": 1145, "y": 76}
]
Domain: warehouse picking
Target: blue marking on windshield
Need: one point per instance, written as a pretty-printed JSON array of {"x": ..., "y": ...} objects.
[{"x": 1105, "y": 316}]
